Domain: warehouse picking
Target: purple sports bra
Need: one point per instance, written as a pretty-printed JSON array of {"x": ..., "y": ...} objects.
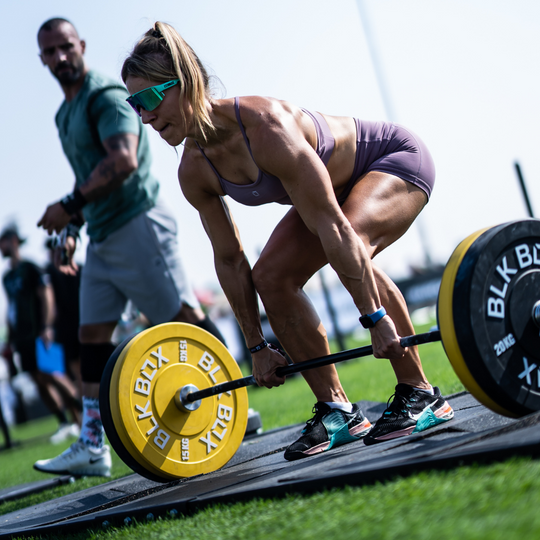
[{"x": 268, "y": 188}]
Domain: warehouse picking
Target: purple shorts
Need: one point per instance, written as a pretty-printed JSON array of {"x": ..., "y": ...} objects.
[{"x": 392, "y": 149}]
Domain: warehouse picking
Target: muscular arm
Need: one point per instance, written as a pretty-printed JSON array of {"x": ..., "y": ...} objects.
[
  {"x": 233, "y": 270},
  {"x": 232, "y": 267},
  {"x": 109, "y": 174},
  {"x": 119, "y": 163}
]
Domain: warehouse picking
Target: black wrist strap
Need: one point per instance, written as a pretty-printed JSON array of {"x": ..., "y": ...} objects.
[
  {"x": 73, "y": 202},
  {"x": 259, "y": 347},
  {"x": 72, "y": 230},
  {"x": 77, "y": 219}
]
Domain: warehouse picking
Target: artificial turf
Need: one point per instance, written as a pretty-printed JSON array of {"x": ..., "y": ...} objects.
[{"x": 497, "y": 501}]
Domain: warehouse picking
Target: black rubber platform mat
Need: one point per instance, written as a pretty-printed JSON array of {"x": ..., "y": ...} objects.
[
  {"x": 258, "y": 470},
  {"x": 18, "y": 492}
]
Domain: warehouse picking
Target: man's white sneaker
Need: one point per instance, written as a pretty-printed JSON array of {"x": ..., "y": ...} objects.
[
  {"x": 64, "y": 432},
  {"x": 78, "y": 460}
]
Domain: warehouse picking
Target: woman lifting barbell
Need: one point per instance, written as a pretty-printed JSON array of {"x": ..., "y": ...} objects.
[{"x": 354, "y": 188}]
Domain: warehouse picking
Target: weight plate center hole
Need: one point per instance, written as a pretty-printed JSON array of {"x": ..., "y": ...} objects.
[
  {"x": 525, "y": 312},
  {"x": 536, "y": 313}
]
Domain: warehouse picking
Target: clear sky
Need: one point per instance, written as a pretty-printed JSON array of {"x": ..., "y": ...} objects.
[{"x": 461, "y": 74}]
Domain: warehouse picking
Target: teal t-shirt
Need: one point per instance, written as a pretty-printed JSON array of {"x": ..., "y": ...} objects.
[{"x": 111, "y": 115}]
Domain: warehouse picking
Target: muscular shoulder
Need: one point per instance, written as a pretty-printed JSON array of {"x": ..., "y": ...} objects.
[
  {"x": 266, "y": 112},
  {"x": 197, "y": 180},
  {"x": 270, "y": 120},
  {"x": 274, "y": 126}
]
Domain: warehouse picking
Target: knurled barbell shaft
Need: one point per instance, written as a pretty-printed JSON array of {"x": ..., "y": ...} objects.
[{"x": 409, "y": 341}]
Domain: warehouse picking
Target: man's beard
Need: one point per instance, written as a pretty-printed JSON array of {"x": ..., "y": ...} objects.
[{"x": 68, "y": 77}]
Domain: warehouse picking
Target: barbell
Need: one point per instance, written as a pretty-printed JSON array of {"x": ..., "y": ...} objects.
[{"x": 174, "y": 404}]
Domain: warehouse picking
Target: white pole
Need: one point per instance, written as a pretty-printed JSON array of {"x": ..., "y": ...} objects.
[{"x": 387, "y": 102}]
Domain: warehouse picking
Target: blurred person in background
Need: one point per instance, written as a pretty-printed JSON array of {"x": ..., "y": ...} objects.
[
  {"x": 3, "y": 420},
  {"x": 66, "y": 321},
  {"x": 30, "y": 316}
]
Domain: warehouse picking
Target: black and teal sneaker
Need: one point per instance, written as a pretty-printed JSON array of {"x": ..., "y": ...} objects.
[
  {"x": 327, "y": 429},
  {"x": 411, "y": 411}
]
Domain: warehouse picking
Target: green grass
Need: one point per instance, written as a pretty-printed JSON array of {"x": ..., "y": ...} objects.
[
  {"x": 492, "y": 502},
  {"x": 495, "y": 502},
  {"x": 32, "y": 443}
]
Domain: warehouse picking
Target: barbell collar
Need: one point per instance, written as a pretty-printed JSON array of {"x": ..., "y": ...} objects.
[
  {"x": 182, "y": 403},
  {"x": 409, "y": 341}
]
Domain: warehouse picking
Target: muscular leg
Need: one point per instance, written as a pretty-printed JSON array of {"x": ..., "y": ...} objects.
[
  {"x": 408, "y": 370},
  {"x": 371, "y": 201},
  {"x": 293, "y": 255}
]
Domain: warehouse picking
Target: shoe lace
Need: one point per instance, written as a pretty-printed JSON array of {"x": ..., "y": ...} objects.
[
  {"x": 76, "y": 447},
  {"x": 311, "y": 422},
  {"x": 72, "y": 451},
  {"x": 400, "y": 404}
]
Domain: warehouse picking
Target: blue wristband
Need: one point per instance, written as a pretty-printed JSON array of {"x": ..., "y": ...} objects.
[{"x": 369, "y": 321}]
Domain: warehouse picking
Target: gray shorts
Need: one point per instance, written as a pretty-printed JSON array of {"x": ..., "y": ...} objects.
[{"x": 138, "y": 262}]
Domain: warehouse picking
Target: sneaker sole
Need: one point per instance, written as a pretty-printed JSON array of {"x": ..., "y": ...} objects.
[
  {"x": 443, "y": 414},
  {"x": 431, "y": 419},
  {"x": 78, "y": 472},
  {"x": 359, "y": 431}
]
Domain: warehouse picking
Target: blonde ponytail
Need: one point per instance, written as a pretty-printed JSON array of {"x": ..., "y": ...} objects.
[{"x": 161, "y": 55}]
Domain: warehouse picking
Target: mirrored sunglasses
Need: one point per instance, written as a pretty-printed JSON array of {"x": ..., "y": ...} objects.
[{"x": 149, "y": 98}]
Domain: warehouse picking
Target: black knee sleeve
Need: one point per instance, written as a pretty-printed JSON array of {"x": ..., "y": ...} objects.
[
  {"x": 208, "y": 325},
  {"x": 94, "y": 357}
]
